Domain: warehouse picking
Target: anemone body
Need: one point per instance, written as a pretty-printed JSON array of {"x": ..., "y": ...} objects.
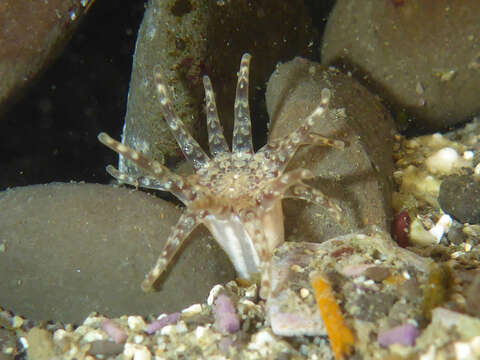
[{"x": 237, "y": 194}]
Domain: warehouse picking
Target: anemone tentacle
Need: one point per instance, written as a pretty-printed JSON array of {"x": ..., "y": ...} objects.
[
  {"x": 186, "y": 224},
  {"x": 216, "y": 139},
  {"x": 313, "y": 195},
  {"x": 189, "y": 146},
  {"x": 285, "y": 147},
  {"x": 166, "y": 179},
  {"x": 242, "y": 127},
  {"x": 143, "y": 181}
]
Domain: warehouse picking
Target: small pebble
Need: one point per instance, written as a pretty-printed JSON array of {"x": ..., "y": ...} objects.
[
  {"x": 137, "y": 352},
  {"x": 403, "y": 334},
  {"x": 138, "y": 339},
  {"x": 194, "y": 309},
  {"x": 162, "y": 322},
  {"x": 114, "y": 330},
  {"x": 445, "y": 161},
  {"x": 441, "y": 227},
  {"x": 297, "y": 268},
  {"x": 226, "y": 318},
  {"x": 459, "y": 196},
  {"x": 94, "y": 335},
  {"x": 136, "y": 323},
  {"x": 104, "y": 347},
  {"x": 17, "y": 322},
  {"x": 167, "y": 330},
  {"x": 400, "y": 228},
  {"x": 377, "y": 273},
  {"x": 214, "y": 293},
  {"x": 181, "y": 327},
  {"x": 420, "y": 236},
  {"x": 200, "y": 331},
  {"x": 251, "y": 291},
  {"x": 262, "y": 341},
  {"x": 304, "y": 293}
]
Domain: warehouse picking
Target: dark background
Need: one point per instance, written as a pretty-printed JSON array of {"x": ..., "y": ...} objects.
[{"x": 51, "y": 133}]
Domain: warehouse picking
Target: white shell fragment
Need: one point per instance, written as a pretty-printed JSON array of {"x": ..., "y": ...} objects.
[
  {"x": 192, "y": 310},
  {"x": 446, "y": 161},
  {"x": 136, "y": 323},
  {"x": 441, "y": 227},
  {"x": 136, "y": 352}
]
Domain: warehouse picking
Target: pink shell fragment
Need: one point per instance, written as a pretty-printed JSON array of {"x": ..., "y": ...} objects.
[
  {"x": 162, "y": 322},
  {"x": 114, "y": 330},
  {"x": 403, "y": 334},
  {"x": 226, "y": 318},
  {"x": 355, "y": 270}
]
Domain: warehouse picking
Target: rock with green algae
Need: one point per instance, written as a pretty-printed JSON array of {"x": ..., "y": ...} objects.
[
  {"x": 358, "y": 177},
  {"x": 70, "y": 249},
  {"x": 189, "y": 39}
]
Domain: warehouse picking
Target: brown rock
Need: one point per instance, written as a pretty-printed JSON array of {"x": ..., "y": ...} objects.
[{"x": 31, "y": 35}]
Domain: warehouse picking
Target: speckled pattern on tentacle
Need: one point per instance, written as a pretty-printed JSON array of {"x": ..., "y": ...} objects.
[
  {"x": 278, "y": 186},
  {"x": 189, "y": 146},
  {"x": 255, "y": 228},
  {"x": 285, "y": 148},
  {"x": 166, "y": 179},
  {"x": 216, "y": 139},
  {"x": 143, "y": 181},
  {"x": 242, "y": 132},
  {"x": 313, "y": 195},
  {"x": 185, "y": 225}
]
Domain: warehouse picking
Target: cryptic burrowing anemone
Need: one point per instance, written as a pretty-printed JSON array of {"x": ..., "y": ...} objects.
[{"x": 237, "y": 194}]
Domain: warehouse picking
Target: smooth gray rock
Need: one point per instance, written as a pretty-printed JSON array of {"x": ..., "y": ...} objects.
[
  {"x": 422, "y": 57},
  {"x": 70, "y": 249},
  {"x": 459, "y": 196},
  {"x": 358, "y": 178}
]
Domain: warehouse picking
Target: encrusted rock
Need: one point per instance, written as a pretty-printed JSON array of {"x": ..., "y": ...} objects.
[{"x": 293, "y": 311}]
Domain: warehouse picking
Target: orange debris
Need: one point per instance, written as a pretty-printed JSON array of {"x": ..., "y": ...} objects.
[
  {"x": 394, "y": 280},
  {"x": 341, "y": 338}
]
